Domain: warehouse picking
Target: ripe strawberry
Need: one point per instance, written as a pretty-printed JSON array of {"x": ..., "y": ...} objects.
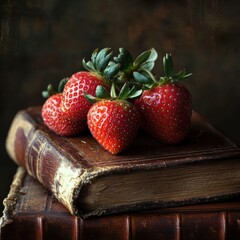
[
  {"x": 114, "y": 122},
  {"x": 99, "y": 72},
  {"x": 54, "y": 118},
  {"x": 166, "y": 107}
]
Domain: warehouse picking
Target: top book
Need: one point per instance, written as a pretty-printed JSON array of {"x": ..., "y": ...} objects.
[{"x": 89, "y": 181}]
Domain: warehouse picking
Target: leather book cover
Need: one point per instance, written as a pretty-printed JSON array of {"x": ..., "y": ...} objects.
[
  {"x": 32, "y": 212},
  {"x": 90, "y": 181}
]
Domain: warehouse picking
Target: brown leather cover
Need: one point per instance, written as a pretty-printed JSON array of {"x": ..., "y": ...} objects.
[
  {"x": 31, "y": 212},
  {"x": 64, "y": 165}
]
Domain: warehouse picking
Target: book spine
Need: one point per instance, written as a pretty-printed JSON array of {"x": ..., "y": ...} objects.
[
  {"x": 46, "y": 160},
  {"x": 170, "y": 226}
]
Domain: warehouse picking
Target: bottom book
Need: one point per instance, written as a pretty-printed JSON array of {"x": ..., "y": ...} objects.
[{"x": 31, "y": 212}]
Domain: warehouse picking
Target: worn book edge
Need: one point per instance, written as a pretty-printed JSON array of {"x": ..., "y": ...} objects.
[
  {"x": 11, "y": 200},
  {"x": 75, "y": 177}
]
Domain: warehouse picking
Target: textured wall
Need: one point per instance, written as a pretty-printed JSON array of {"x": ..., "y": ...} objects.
[{"x": 43, "y": 41}]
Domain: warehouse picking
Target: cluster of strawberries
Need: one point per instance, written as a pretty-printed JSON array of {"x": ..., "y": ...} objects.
[{"x": 115, "y": 96}]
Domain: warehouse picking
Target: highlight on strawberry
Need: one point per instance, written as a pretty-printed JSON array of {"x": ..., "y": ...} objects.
[
  {"x": 53, "y": 116},
  {"x": 166, "y": 104},
  {"x": 112, "y": 119}
]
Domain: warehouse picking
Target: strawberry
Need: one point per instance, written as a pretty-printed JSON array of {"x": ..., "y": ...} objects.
[
  {"x": 100, "y": 70},
  {"x": 166, "y": 106},
  {"x": 54, "y": 118},
  {"x": 113, "y": 121}
]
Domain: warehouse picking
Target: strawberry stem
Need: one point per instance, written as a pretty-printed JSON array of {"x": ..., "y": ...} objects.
[{"x": 113, "y": 92}]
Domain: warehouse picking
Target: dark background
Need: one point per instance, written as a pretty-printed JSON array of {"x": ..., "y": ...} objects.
[{"x": 42, "y": 41}]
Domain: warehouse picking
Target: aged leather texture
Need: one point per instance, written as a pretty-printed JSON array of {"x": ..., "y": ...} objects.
[{"x": 32, "y": 212}]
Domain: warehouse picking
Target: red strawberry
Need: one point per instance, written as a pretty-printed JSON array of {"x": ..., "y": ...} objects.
[
  {"x": 54, "y": 118},
  {"x": 166, "y": 112},
  {"x": 74, "y": 104},
  {"x": 100, "y": 70},
  {"x": 114, "y": 122},
  {"x": 166, "y": 107}
]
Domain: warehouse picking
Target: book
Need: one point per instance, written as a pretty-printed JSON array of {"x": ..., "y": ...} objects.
[
  {"x": 32, "y": 212},
  {"x": 90, "y": 181}
]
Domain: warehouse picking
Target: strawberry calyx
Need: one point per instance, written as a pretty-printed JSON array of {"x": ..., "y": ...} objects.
[
  {"x": 101, "y": 64},
  {"x": 170, "y": 77},
  {"x": 148, "y": 81},
  {"x": 126, "y": 92},
  {"x": 52, "y": 91},
  {"x": 135, "y": 70}
]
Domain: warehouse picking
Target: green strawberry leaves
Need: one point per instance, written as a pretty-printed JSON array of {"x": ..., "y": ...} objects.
[
  {"x": 136, "y": 73},
  {"x": 52, "y": 91},
  {"x": 101, "y": 63},
  {"x": 144, "y": 62},
  {"x": 122, "y": 68},
  {"x": 102, "y": 59},
  {"x": 111, "y": 70},
  {"x": 167, "y": 65},
  {"x": 127, "y": 77},
  {"x": 168, "y": 71},
  {"x": 102, "y": 93},
  {"x": 125, "y": 93},
  {"x": 128, "y": 93},
  {"x": 125, "y": 59},
  {"x": 146, "y": 59},
  {"x": 181, "y": 75},
  {"x": 141, "y": 77},
  {"x": 147, "y": 80},
  {"x": 62, "y": 84},
  {"x": 49, "y": 92}
]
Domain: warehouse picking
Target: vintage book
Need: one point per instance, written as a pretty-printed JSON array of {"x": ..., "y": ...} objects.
[
  {"x": 32, "y": 212},
  {"x": 90, "y": 181}
]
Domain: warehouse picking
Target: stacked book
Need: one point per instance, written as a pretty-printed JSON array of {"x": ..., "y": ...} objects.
[{"x": 71, "y": 188}]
